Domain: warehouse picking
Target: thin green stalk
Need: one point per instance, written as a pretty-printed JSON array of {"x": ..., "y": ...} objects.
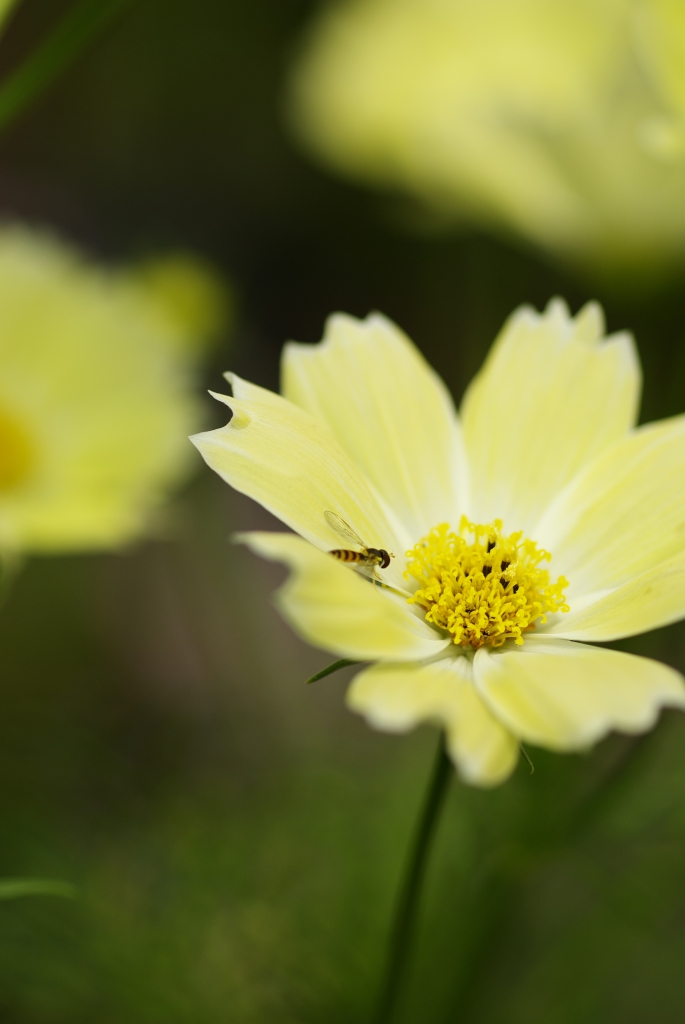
[
  {"x": 79, "y": 26},
  {"x": 410, "y": 892}
]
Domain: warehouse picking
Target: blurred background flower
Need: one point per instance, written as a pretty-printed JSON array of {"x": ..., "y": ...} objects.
[
  {"x": 97, "y": 390},
  {"x": 191, "y": 296},
  {"x": 5, "y": 9},
  {"x": 563, "y": 122}
]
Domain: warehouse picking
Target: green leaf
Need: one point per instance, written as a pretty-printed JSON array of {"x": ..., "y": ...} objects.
[
  {"x": 527, "y": 757},
  {"x": 343, "y": 663}
]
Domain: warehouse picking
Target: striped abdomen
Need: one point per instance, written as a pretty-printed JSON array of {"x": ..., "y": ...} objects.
[{"x": 372, "y": 556}]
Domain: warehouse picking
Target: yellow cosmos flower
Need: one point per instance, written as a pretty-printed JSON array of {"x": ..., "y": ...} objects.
[
  {"x": 563, "y": 121},
  {"x": 96, "y": 398},
  {"x": 538, "y": 519}
]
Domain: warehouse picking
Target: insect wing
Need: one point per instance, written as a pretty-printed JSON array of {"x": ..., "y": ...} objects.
[{"x": 343, "y": 529}]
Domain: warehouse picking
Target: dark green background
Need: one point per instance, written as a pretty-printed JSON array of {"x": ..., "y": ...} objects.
[{"x": 238, "y": 836}]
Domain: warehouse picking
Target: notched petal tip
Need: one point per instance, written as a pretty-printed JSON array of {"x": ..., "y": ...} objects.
[
  {"x": 590, "y": 322},
  {"x": 340, "y": 324},
  {"x": 557, "y": 309},
  {"x": 576, "y": 394},
  {"x": 224, "y": 399},
  {"x": 240, "y": 387},
  {"x": 239, "y": 418},
  {"x": 205, "y": 442},
  {"x": 337, "y": 320}
]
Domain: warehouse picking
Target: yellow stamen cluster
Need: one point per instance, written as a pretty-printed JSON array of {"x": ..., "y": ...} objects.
[{"x": 481, "y": 586}]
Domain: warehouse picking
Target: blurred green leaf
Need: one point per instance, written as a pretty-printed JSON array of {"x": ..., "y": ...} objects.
[
  {"x": 83, "y": 22},
  {"x": 12, "y": 888}
]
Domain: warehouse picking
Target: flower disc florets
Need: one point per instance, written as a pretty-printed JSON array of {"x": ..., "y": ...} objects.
[{"x": 481, "y": 586}]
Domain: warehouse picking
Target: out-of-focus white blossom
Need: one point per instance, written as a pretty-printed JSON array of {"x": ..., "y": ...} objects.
[
  {"x": 97, "y": 396},
  {"x": 563, "y": 121}
]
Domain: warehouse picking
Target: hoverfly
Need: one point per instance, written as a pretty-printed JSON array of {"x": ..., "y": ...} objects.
[{"x": 367, "y": 558}]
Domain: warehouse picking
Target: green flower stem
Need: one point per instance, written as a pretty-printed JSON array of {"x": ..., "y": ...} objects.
[
  {"x": 79, "y": 26},
  {"x": 407, "y": 904}
]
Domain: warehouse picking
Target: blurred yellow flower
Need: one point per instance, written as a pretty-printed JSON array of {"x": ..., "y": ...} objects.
[
  {"x": 96, "y": 398},
  {"x": 196, "y": 301},
  {"x": 563, "y": 121},
  {"x": 540, "y": 517}
]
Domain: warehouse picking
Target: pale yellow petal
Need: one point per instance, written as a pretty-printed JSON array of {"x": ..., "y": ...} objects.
[
  {"x": 277, "y": 454},
  {"x": 649, "y": 601},
  {"x": 395, "y": 698},
  {"x": 337, "y": 609},
  {"x": 566, "y": 695},
  {"x": 389, "y": 411},
  {"x": 624, "y": 514},
  {"x": 551, "y": 395},
  {"x": 96, "y": 400}
]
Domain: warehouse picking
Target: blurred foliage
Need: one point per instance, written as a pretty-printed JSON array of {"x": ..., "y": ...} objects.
[
  {"x": 237, "y": 836},
  {"x": 53, "y": 54},
  {"x": 14, "y": 888}
]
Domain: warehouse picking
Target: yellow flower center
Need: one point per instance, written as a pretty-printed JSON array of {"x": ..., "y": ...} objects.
[
  {"x": 16, "y": 453},
  {"x": 481, "y": 586}
]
